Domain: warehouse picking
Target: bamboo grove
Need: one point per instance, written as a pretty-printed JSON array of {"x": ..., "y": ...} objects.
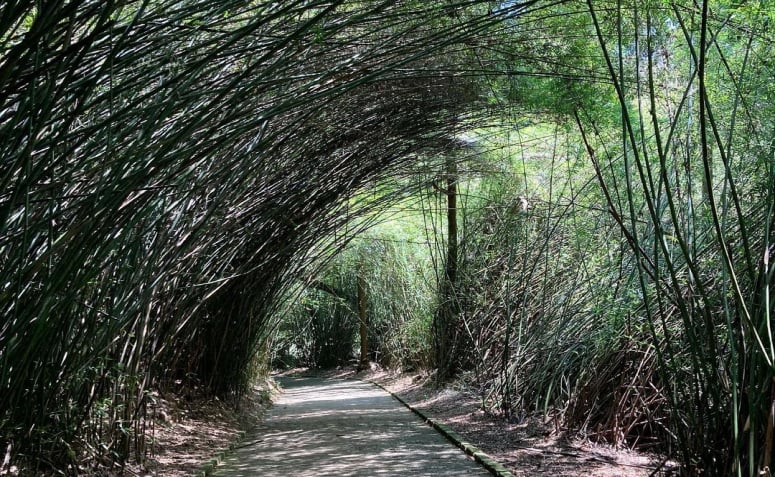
[{"x": 173, "y": 171}]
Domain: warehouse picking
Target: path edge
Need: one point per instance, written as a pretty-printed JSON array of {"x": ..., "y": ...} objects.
[
  {"x": 493, "y": 466},
  {"x": 206, "y": 469}
]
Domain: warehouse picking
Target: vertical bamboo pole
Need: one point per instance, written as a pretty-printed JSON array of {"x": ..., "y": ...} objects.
[
  {"x": 451, "y": 272},
  {"x": 447, "y": 313},
  {"x": 364, "y": 362}
]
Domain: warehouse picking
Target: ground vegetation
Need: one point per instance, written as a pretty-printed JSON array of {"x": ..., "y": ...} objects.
[{"x": 569, "y": 204}]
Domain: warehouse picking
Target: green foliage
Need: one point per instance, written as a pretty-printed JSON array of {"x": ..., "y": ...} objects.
[
  {"x": 547, "y": 315},
  {"x": 168, "y": 169},
  {"x": 321, "y": 329},
  {"x": 688, "y": 207},
  {"x": 318, "y": 328},
  {"x": 174, "y": 172}
]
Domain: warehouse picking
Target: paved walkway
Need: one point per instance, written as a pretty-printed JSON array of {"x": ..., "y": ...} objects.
[{"x": 334, "y": 427}]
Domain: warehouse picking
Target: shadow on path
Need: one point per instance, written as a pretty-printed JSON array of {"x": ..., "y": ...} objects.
[{"x": 336, "y": 427}]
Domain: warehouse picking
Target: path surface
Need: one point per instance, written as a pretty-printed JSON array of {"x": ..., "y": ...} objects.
[{"x": 335, "y": 427}]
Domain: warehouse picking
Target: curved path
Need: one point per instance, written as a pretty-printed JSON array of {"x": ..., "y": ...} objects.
[{"x": 335, "y": 427}]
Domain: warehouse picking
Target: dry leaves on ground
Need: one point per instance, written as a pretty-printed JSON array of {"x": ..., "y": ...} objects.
[
  {"x": 189, "y": 435},
  {"x": 534, "y": 446},
  {"x": 187, "y": 432}
]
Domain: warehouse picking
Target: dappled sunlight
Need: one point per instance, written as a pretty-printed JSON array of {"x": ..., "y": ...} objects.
[{"x": 344, "y": 428}]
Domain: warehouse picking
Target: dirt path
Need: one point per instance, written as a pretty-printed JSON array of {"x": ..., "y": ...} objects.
[{"x": 338, "y": 427}]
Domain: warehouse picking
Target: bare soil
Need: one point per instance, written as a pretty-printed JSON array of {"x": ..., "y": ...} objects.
[
  {"x": 189, "y": 434},
  {"x": 533, "y": 446},
  {"x": 183, "y": 434}
]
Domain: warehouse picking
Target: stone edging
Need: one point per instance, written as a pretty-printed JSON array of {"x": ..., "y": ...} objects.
[
  {"x": 495, "y": 467},
  {"x": 208, "y": 468}
]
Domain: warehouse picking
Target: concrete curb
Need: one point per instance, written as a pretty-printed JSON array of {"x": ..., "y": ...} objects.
[
  {"x": 207, "y": 469},
  {"x": 495, "y": 467}
]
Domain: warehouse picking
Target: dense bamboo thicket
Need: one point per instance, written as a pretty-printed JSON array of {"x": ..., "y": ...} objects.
[
  {"x": 591, "y": 183},
  {"x": 633, "y": 297},
  {"x": 613, "y": 266},
  {"x": 694, "y": 201},
  {"x": 167, "y": 168}
]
